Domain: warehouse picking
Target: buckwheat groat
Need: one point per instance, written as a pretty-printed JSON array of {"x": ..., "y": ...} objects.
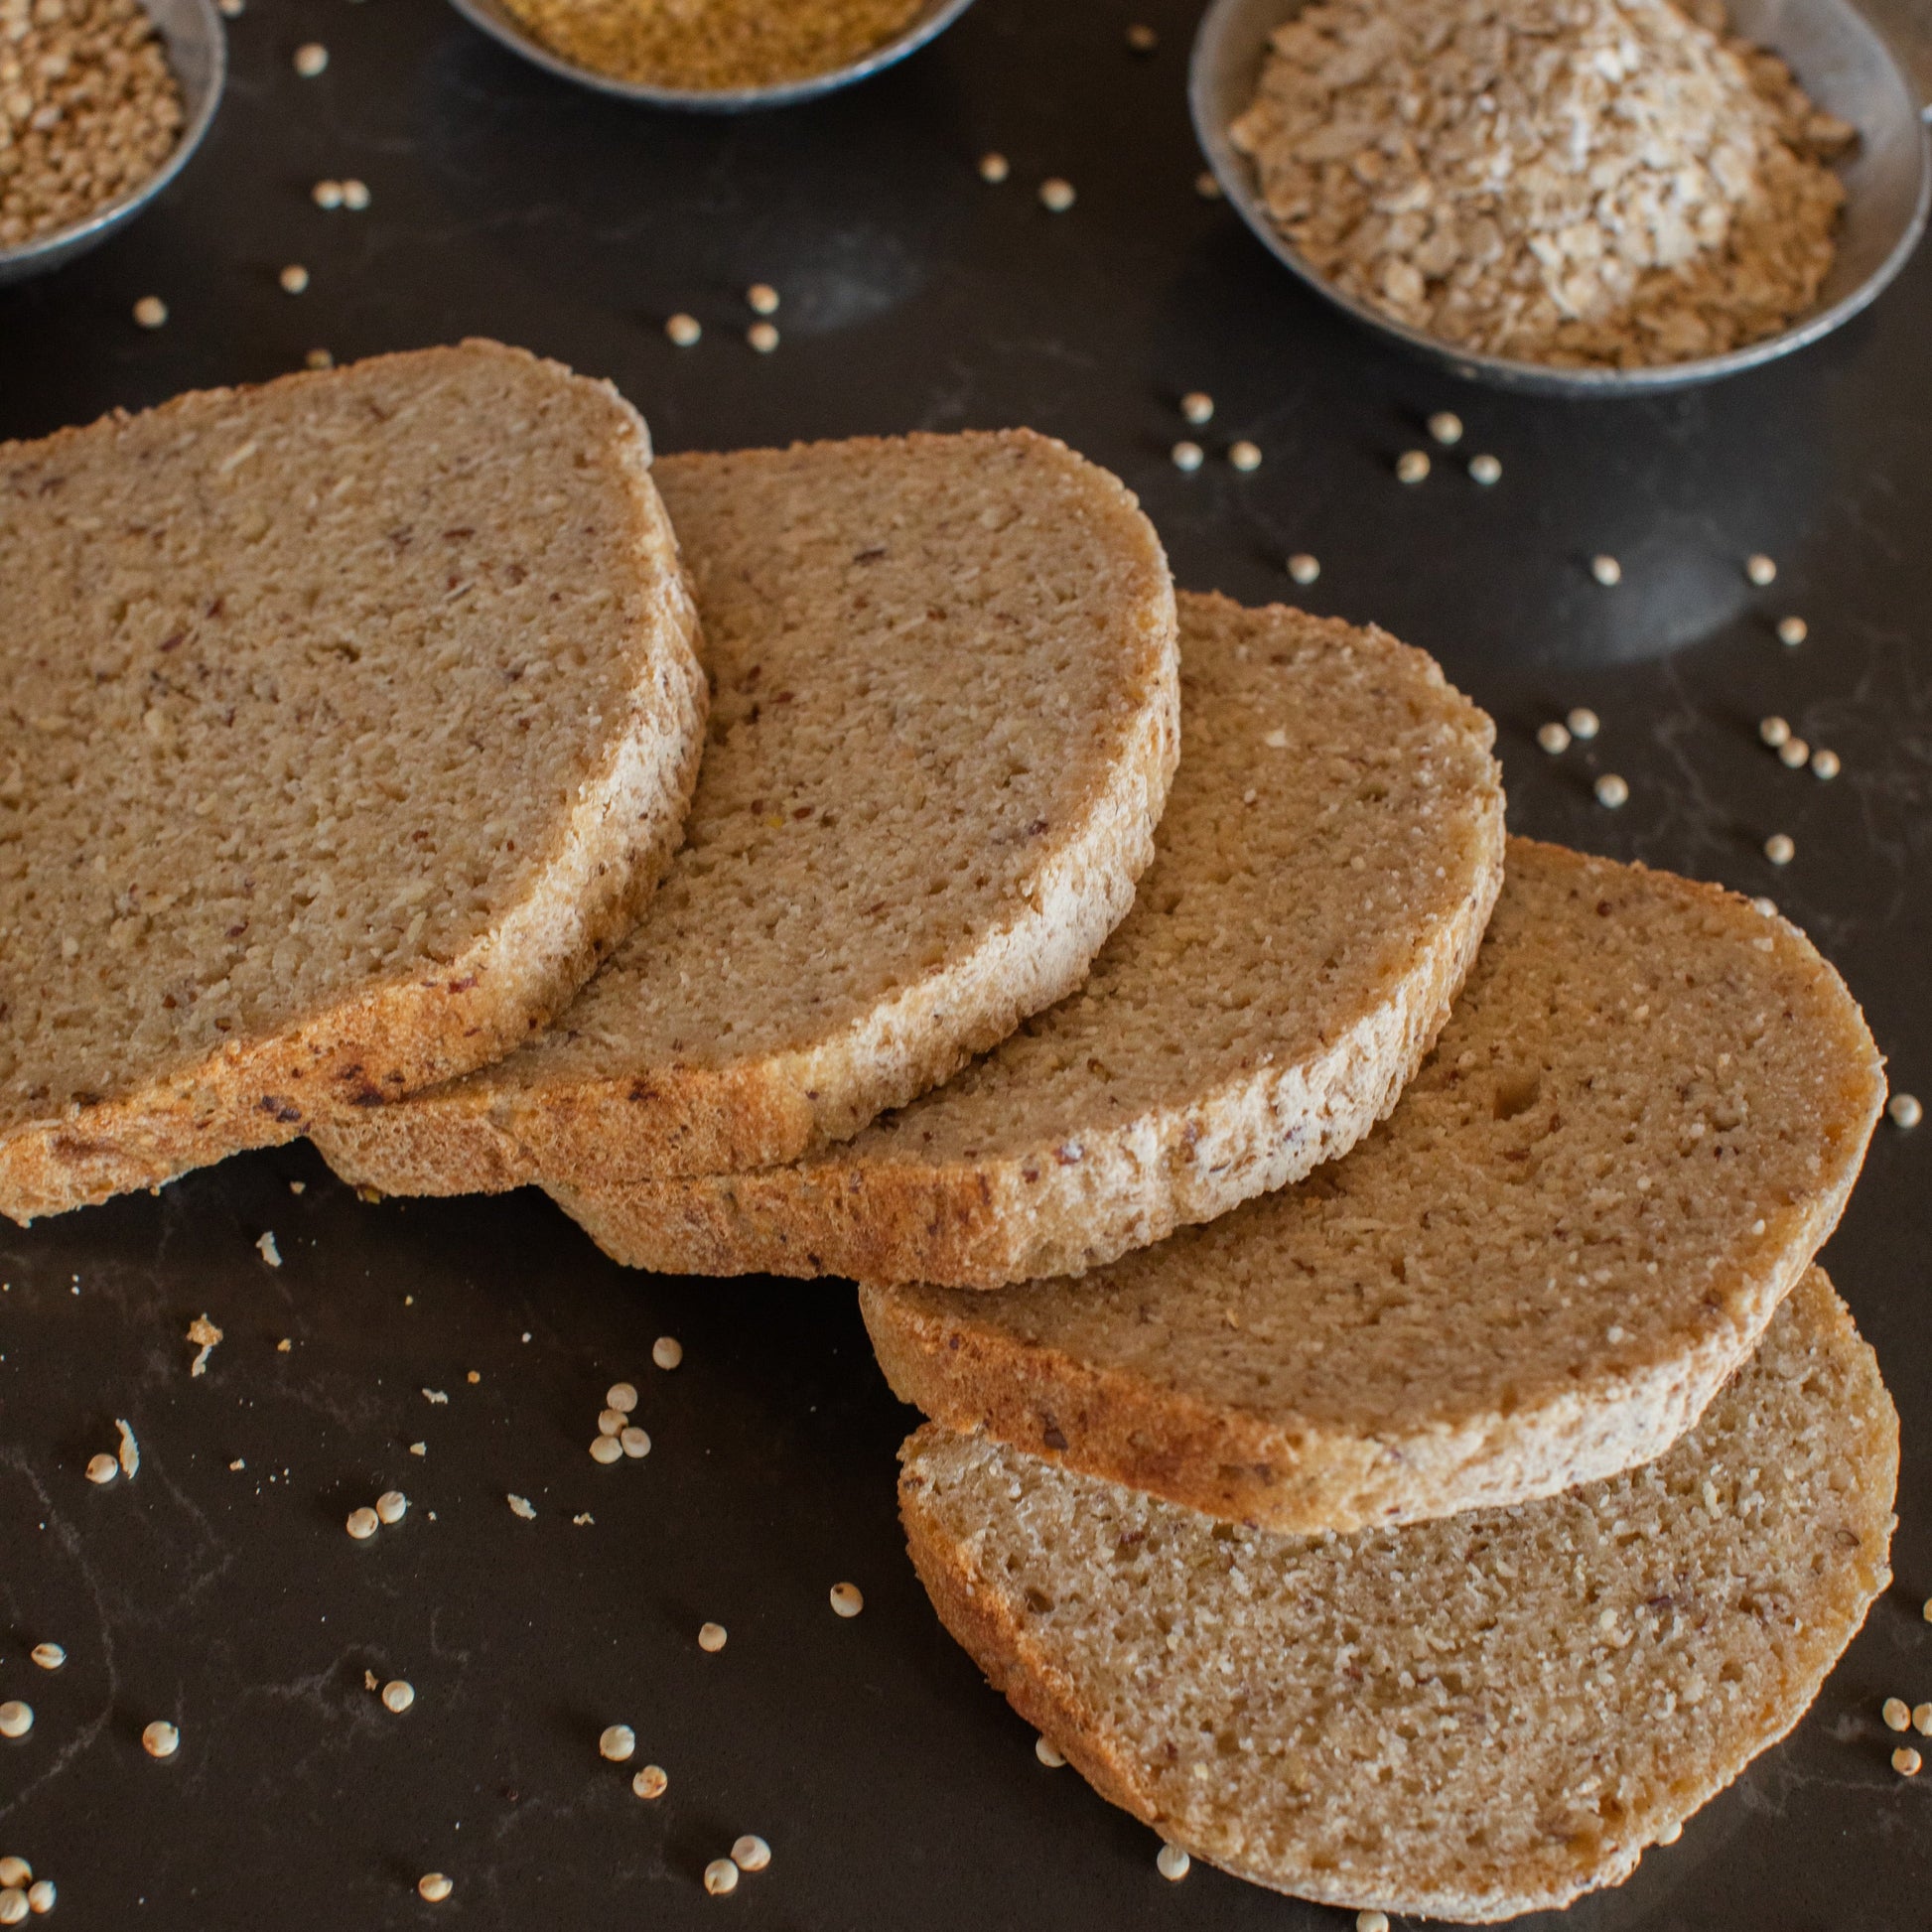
[
  {"x": 1331, "y": 848},
  {"x": 347, "y": 722},
  {"x": 1639, "y": 1125},
  {"x": 942, "y": 729},
  {"x": 1463, "y": 1719}
]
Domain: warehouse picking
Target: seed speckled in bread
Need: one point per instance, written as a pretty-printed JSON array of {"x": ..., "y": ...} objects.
[
  {"x": 1639, "y": 1125},
  {"x": 943, "y": 722},
  {"x": 347, "y": 722},
  {"x": 1464, "y": 1719},
  {"x": 1331, "y": 848}
]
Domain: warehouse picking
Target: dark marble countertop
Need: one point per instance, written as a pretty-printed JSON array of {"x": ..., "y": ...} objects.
[{"x": 895, "y": 1790}]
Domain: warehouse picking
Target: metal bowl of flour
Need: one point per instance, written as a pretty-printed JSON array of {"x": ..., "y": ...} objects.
[
  {"x": 191, "y": 32},
  {"x": 500, "y": 23},
  {"x": 1840, "y": 60}
]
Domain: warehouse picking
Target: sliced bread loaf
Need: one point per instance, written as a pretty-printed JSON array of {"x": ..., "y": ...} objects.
[
  {"x": 1464, "y": 1719},
  {"x": 347, "y": 721},
  {"x": 1639, "y": 1125},
  {"x": 1331, "y": 848},
  {"x": 943, "y": 722}
]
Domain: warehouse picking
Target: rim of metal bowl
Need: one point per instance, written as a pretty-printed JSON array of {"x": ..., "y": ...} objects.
[
  {"x": 76, "y": 235},
  {"x": 1235, "y": 173},
  {"x": 492, "y": 19}
]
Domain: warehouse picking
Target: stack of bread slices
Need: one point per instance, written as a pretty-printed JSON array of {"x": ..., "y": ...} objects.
[{"x": 1386, "y": 1428}]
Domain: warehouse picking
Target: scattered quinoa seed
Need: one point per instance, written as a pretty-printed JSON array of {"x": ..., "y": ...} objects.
[
  {"x": 1245, "y": 456},
  {"x": 1485, "y": 470},
  {"x": 1186, "y": 457},
  {"x": 16, "y": 1718},
  {"x": 667, "y": 1351},
  {"x": 398, "y": 1694},
  {"x": 1761, "y": 570},
  {"x": 683, "y": 329},
  {"x": 847, "y": 1599},
  {"x": 1671, "y": 1832},
  {"x": 1793, "y": 630},
  {"x": 652, "y": 1782},
  {"x": 1371, "y": 1921},
  {"x": 1824, "y": 764},
  {"x": 103, "y": 1468},
  {"x": 49, "y": 1656},
  {"x": 1206, "y": 187},
  {"x": 327, "y": 193},
  {"x": 474, "y": 1377},
  {"x": 993, "y": 167},
  {"x": 609, "y": 1421},
  {"x": 1906, "y": 1761},
  {"x": 711, "y": 1636},
  {"x": 634, "y": 1443},
  {"x": 1048, "y": 1753},
  {"x": 1411, "y": 467},
  {"x": 434, "y": 1887},
  {"x": 1303, "y": 567},
  {"x": 1172, "y": 1862},
  {"x": 618, "y": 1743},
  {"x": 160, "y": 1738},
  {"x": 13, "y": 1906},
  {"x": 1897, "y": 1714},
  {"x": 764, "y": 336},
  {"x": 1554, "y": 736},
  {"x": 309, "y": 59},
  {"x": 621, "y": 1397},
  {"x": 1197, "y": 407},
  {"x": 1774, "y": 732},
  {"x": 750, "y": 1853},
  {"x": 40, "y": 1895},
  {"x": 1922, "y": 1719},
  {"x": 355, "y": 195},
  {"x": 1583, "y": 723},
  {"x": 1605, "y": 569},
  {"x": 1612, "y": 791},
  {"x": 1765, "y": 909},
  {"x": 1142, "y": 39},
  {"x": 1446, "y": 426},
  {"x": 1794, "y": 754},
  {"x": 363, "y": 1523},
  {"x": 392, "y": 1505},
  {"x": 419, "y": 1449},
  {"x": 14, "y": 1872},
  {"x": 1779, "y": 849},
  {"x": 720, "y": 1877},
  {"x": 1056, "y": 195},
  {"x": 1906, "y": 1112},
  {"x": 763, "y": 299},
  {"x": 150, "y": 312}
]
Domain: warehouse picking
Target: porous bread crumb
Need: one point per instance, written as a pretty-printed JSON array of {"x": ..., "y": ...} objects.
[
  {"x": 1467, "y": 1719},
  {"x": 90, "y": 109},
  {"x": 1577, "y": 183},
  {"x": 708, "y": 44}
]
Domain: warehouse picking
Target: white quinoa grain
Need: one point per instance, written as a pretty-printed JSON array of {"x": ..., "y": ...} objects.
[
  {"x": 652, "y": 1782},
  {"x": 1554, "y": 736},
  {"x": 1897, "y": 1714},
  {"x": 711, "y": 1636},
  {"x": 609, "y": 1421},
  {"x": 1671, "y": 1832},
  {"x": 434, "y": 1887},
  {"x": 13, "y": 1906},
  {"x": 606, "y": 1449},
  {"x": 150, "y": 312},
  {"x": 994, "y": 168},
  {"x": 231, "y": 9},
  {"x": 309, "y": 59},
  {"x": 103, "y": 1468},
  {"x": 1793, "y": 630},
  {"x": 667, "y": 1351},
  {"x": 41, "y": 1895},
  {"x": 363, "y": 1523},
  {"x": 1186, "y": 457},
  {"x": 621, "y": 1396},
  {"x": 1171, "y": 1862},
  {"x": 1824, "y": 764},
  {"x": 1245, "y": 456},
  {"x": 1056, "y": 195},
  {"x": 419, "y": 1449},
  {"x": 1206, "y": 186},
  {"x": 763, "y": 337},
  {"x": 1485, "y": 470},
  {"x": 392, "y": 1505},
  {"x": 1371, "y": 1921},
  {"x": 1048, "y": 1753},
  {"x": 1794, "y": 754},
  {"x": 16, "y": 1718},
  {"x": 1303, "y": 567},
  {"x": 327, "y": 193},
  {"x": 763, "y": 299},
  {"x": 683, "y": 329},
  {"x": 1760, "y": 569},
  {"x": 294, "y": 279},
  {"x": 1446, "y": 426},
  {"x": 1765, "y": 909},
  {"x": 1142, "y": 39},
  {"x": 633, "y": 1442},
  {"x": 1905, "y": 1111},
  {"x": 160, "y": 1739},
  {"x": 49, "y": 1656},
  {"x": 1605, "y": 569},
  {"x": 618, "y": 1743},
  {"x": 1583, "y": 723},
  {"x": 1774, "y": 732},
  {"x": 720, "y": 1877},
  {"x": 1922, "y": 1719},
  {"x": 1779, "y": 849},
  {"x": 1612, "y": 790},
  {"x": 1412, "y": 466},
  {"x": 1906, "y": 1761},
  {"x": 15, "y": 1872},
  {"x": 750, "y": 1853},
  {"x": 847, "y": 1599},
  {"x": 355, "y": 195},
  {"x": 398, "y": 1694},
  {"x": 1197, "y": 407}
]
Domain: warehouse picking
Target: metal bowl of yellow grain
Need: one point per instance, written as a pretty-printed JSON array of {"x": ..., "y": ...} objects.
[
  {"x": 198, "y": 55},
  {"x": 505, "y": 25},
  {"x": 1843, "y": 63}
]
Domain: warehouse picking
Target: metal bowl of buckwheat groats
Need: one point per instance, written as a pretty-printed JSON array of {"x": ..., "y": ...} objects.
[
  {"x": 1615, "y": 197},
  {"x": 741, "y": 55},
  {"x": 102, "y": 103}
]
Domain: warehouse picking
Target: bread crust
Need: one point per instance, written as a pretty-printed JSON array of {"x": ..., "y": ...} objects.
[
  {"x": 432, "y": 1020},
  {"x": 573, "y": 1135},
  {"x": 953, "y": 1357}
]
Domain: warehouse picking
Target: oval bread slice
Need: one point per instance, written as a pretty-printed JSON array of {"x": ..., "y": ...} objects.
[
  {"x": 943, "y": 724},
  {"x": 1639, "y": 1125},
  {"x": 1331, "y": 848},
  {"x": 347, "y": 722},
  {"x": 1463, "y": 1719}
]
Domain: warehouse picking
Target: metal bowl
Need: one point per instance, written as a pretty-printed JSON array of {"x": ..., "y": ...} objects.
[
  {"x": 198, "y": 51},
  {"x": 1843, "y": 63},
  {"x": 500, "y": 23}
]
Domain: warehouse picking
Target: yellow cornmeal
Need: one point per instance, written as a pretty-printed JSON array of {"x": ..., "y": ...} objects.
[{"x": 712, "y": 43}]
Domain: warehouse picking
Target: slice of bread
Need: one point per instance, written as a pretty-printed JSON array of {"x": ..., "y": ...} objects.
[
  {"x": 347, "y": 721},
  {"x": 1331, "y": 852},
  {"x": 1639, "y": 1125},
  {"x": 944, "y": 719},
  {"x": 1463, "y": 1719}
]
